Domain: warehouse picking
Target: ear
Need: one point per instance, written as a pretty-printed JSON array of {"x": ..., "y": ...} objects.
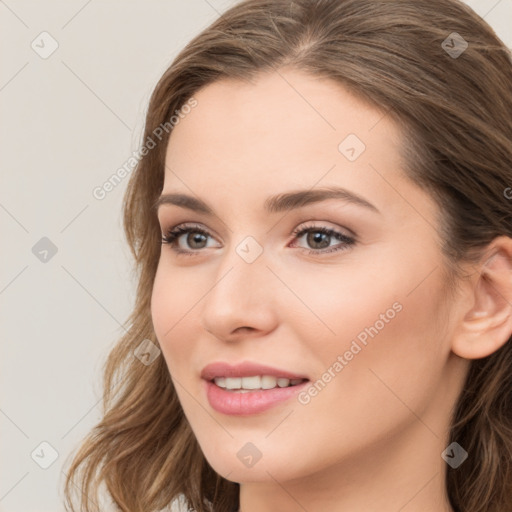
[{"x": 486, "y": 323}]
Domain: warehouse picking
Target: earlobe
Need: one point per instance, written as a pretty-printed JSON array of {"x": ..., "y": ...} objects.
[{"x": 487, "y": 325}]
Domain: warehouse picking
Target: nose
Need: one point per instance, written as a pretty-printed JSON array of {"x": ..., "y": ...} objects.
[{"x": 242, "y": 299}]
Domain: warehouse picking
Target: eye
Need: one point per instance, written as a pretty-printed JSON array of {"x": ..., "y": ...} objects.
[
  {"x": 196, "y": 238},
  {"x": 319, "y": 238}
]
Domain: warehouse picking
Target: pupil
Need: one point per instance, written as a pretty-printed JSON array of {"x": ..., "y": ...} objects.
[
  {"x": 195, "y": 238},
  {"x": 316, "y": 238}
]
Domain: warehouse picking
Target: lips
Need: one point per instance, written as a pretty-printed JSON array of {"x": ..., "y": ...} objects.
[
  {"x": 246, "y": 369},
  {"x": 245, "y": 402},
  {"x": 237, "y": 403}
]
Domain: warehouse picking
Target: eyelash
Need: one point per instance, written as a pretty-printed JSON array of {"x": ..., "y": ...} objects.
[{"x": 174, "y": 234}]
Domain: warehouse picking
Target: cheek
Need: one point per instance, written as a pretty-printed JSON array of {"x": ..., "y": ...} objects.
[
  {"x": 390, "y": 309},
  {"x": 173, "y": 301},
  {"x": 173, "y": 305},
  {"x": 386, "y": 317},
  {"x": 386, "y": 359}
]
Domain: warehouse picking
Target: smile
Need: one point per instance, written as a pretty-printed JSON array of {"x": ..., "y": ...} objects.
[{"x": 256, "y": 382}]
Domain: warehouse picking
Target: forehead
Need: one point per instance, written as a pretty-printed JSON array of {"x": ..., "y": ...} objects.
[
  {"x": 304, "y": 112},
  {"x": 281, "y": 131}
]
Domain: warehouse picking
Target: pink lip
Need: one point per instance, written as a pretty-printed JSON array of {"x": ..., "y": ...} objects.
[
  {"x": 253, "y": 402},
  {"x": 243, "y": 404},
  {"x": 245, "y": 369}
]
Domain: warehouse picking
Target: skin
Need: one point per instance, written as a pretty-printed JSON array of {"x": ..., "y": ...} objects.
[{"x": 372, "y": 438}]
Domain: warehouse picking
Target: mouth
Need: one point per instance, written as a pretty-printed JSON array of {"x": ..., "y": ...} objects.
[
  {"x": 249, "y": 388},
  {"x": 254, "y": 383}
]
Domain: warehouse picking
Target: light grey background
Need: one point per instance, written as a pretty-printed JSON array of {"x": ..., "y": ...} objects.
[{"x": 68, "y": 122}]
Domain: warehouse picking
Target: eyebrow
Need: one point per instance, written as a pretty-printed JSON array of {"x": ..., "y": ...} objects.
[{"x": 273, "y": 204}]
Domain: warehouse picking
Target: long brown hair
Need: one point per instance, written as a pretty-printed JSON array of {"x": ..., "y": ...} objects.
[{"x": 455, "y": 105}]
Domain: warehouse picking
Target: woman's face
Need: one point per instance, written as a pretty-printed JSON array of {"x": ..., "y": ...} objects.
[{"x": 358, "y": 310}]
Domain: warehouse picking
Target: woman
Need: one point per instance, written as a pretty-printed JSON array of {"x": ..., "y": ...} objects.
[{"x": 321, "y": 217}]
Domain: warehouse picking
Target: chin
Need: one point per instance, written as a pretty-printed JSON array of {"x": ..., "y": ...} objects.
[{"x": 234, "y": 463}]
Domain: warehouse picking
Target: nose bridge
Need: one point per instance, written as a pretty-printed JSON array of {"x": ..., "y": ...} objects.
[{"x": 241, "y": 291}]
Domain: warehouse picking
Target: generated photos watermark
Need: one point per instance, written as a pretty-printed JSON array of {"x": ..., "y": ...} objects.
[
  {"x": 356, "y": 346},
  {"x": 101, "y": 191}
]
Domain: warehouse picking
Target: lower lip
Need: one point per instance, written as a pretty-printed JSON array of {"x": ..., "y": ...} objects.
[{"x": 253, "y": 402}]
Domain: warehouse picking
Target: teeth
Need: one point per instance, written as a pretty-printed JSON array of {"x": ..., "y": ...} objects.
[
  {"x": 233, "y": 382},
  {"x": 268, "y": 382},
  {"x": 221, "y": 382},
  {"x": 254, "y": 382},
  {"x": 251, "y": 382}
]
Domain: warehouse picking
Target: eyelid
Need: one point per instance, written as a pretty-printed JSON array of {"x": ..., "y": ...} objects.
[{"x": 318, "y": 224}]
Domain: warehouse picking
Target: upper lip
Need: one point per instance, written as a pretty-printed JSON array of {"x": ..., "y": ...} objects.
[{"x": 245, "y": 369}]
